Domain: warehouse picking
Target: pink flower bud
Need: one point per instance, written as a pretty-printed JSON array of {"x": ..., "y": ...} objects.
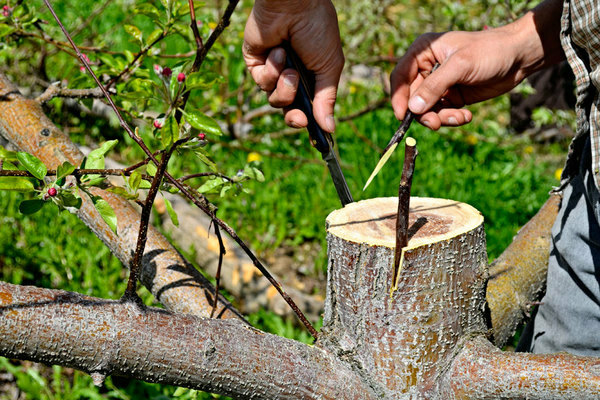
[
  {"x": 180, "y": 77},
  {"x": 157, "y": 124},
  {"x": 166, "y": 72},
  {"x": 52, "y": 192},
  {"x": 201, "y": 136},
  {"x": 157, "y": 69}
]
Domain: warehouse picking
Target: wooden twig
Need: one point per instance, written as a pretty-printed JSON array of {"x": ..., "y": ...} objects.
[
  {"x": 53, "y": 90},
  {"x": 222, "y": 252},
  {"x": 410, "y": 155}
]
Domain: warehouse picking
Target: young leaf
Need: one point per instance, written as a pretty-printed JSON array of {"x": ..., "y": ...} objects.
[
  {"x": 134, "y": 181},
  {"x": 154, "y": 35},
  {"x": 151, "y": 169},
  {"x": 7, "y": 155},
  {"x": 171, "y": 212},
  {"x": 203, "y": 122},
  {"x": 203, "y": 156},
  {"x": 122, "y": 192},
  {"x": 70, "y": 199},
  {"x": 32, "y": 164},
  {"x": 95, "y": 160},
  {"x": 31, "y": 206},
  {"x": 134, "y": 31},
  {"x": 106, "y": 212},
  {"x": 16, "y": 184},
  {"x": 254, "y": 173},
  {"x": 64, "y": 169},
  {"x": 211, "y": 185},
  {"x": 169, "y": 132}
]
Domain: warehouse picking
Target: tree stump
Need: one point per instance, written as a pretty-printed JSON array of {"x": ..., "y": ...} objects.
[{"x": 400, "y": 341}]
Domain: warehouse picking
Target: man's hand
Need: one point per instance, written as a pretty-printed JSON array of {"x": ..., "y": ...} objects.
[
  {"x": 311, "y": 28},
  {"x": 474, "y": 66}
]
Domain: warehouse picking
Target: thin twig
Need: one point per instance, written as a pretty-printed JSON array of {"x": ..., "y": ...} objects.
[
  {"x": 53, "y": 90},
  {"x": 204, "y": 174},
  {"x": 371, "y": 107},
  {"x": 77, "y": 172},
  {"x": 90, "y": 18},
  {"x": 222, "y": 252},
  {"x": 410, "y": 155}
]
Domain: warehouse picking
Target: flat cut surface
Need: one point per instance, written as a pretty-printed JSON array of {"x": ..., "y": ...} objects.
[{"x": 430, "y": 220}]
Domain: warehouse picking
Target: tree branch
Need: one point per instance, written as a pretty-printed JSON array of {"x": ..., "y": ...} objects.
[
  {"x": 118, "y": 338},
  {"x": 481, "y": 371},
  {"x": 518, "y": 276}
]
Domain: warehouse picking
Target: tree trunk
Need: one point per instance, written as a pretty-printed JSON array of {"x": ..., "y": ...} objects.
[{"x": 401, "y": 341}]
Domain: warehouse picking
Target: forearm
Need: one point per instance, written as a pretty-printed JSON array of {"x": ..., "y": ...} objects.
[{"x": 538, "y": 37}]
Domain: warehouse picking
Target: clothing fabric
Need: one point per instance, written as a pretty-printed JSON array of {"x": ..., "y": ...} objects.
[
  {"x": 568, "y": 318},
  {"x": 580, "y": 39}
]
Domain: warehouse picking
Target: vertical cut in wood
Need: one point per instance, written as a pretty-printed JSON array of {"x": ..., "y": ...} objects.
[
  {"x": 410, "y": 156},
  {"x": 400, "y": 344}
]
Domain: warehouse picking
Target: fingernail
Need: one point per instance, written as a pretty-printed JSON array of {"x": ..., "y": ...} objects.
[
  {"x": 290, "y": 80},
  {"x": 278, "y": 56},
  {"x": 426, "y": 123},
  {"x": 417, "y": 104},
  {"x": 452, "y": 121},
  {"x": 330, "y": 123}
]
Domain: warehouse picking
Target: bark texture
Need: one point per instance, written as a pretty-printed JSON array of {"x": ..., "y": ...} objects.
[
  {"x": 400, "y": 342},
  {"x": 222, "y": 356},
  {"x": 482, "y": 372},
  {"x": 518, "y": 276},
  {"x": 168, "y": 276}
]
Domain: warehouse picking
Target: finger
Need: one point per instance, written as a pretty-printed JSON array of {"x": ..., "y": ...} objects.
[
  {"x": 285, "y": 91},
  {"x": 295, "y": 118},
  {"x": 445, "y": 117},
  {"x": 401, "y": 79},
  {"x": 434, "y": 87},
  {"x": 266, "y": 71},
  {"x": 326, "y": 84}
]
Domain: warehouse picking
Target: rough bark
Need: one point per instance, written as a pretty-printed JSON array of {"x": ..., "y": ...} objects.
[
  {"x": 401, "y": 341},
  {"x": 482, "y": 372},
  {"x": 518, "y": 276},
  {"x": 222, "y": 356},
  {"x": 168, "y": 276}
]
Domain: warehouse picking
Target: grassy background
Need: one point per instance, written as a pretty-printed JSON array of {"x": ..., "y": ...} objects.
[{"x": 504, "y": 176}]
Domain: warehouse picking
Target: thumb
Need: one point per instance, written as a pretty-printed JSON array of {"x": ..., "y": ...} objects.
[{"x": 433, "y": 87}]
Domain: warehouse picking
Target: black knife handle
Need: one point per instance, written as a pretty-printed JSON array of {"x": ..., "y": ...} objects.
[{"x": 319, "y": 138}]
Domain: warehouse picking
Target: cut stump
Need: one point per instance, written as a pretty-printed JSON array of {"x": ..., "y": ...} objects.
[{"x": 400, "y": 341}]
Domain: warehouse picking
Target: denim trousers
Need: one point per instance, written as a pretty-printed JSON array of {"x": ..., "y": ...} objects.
[{"x": 568, "y": 318}]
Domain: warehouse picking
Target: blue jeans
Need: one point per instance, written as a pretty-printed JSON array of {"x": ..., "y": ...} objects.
[{"x": 569, "y": 317}]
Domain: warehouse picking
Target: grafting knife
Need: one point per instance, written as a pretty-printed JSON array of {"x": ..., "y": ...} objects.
[{"x": 319, "y": 138}]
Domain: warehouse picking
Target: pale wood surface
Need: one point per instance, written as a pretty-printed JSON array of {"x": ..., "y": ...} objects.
[{"x": 373, "y": 221}]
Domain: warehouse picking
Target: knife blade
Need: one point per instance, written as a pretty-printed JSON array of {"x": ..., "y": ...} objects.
[
  {"x": 319, "y": 138},
  {"x": 393, "y": 143}
]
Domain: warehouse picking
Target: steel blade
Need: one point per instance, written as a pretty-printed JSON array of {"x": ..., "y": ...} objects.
[{"x": 338, "y": 177}]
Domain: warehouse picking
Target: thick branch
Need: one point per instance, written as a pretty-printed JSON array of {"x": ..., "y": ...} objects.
[
  {"x": 170, "y": 278},
  {"x": 109, "y": 337},
  {"x": 518, "y": 276},
  {"x": 481, "y": 371}
]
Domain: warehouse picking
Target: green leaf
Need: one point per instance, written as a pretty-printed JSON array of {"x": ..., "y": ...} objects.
[
  {"x": 95, "y": 160},
  {"x": 169, "y": 132},
  {"x": 154, "y": 36},
  {"x": 201, "y": 80},
  {"x": 211, "y": 185},
  {"x": 31, "y": 206},
  {"x": 122, "y": 192},
  {"x": 134, "y": 181},
  {"x": 106, "y": 212},
  {"x": 148, "y": 10},
  {"x": 32, "y": 164},
  {"x": 145, "y": 184},
  {"x": 16, "y": 184},
  {"x": 171, "y": 212},
  {"x": 134, "y": 31},
  {"x": 70, "y": 199},
  {"x": 64, "y": 169},
  {"x": 6, "y": 30},
  {"x": 203, "y": 156},
  {"x": 254, "y": 173},
  {"x": 151, "y": 169},
  {"x": 203, "y": 122},
  {"x": 7, "y": 155}
]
